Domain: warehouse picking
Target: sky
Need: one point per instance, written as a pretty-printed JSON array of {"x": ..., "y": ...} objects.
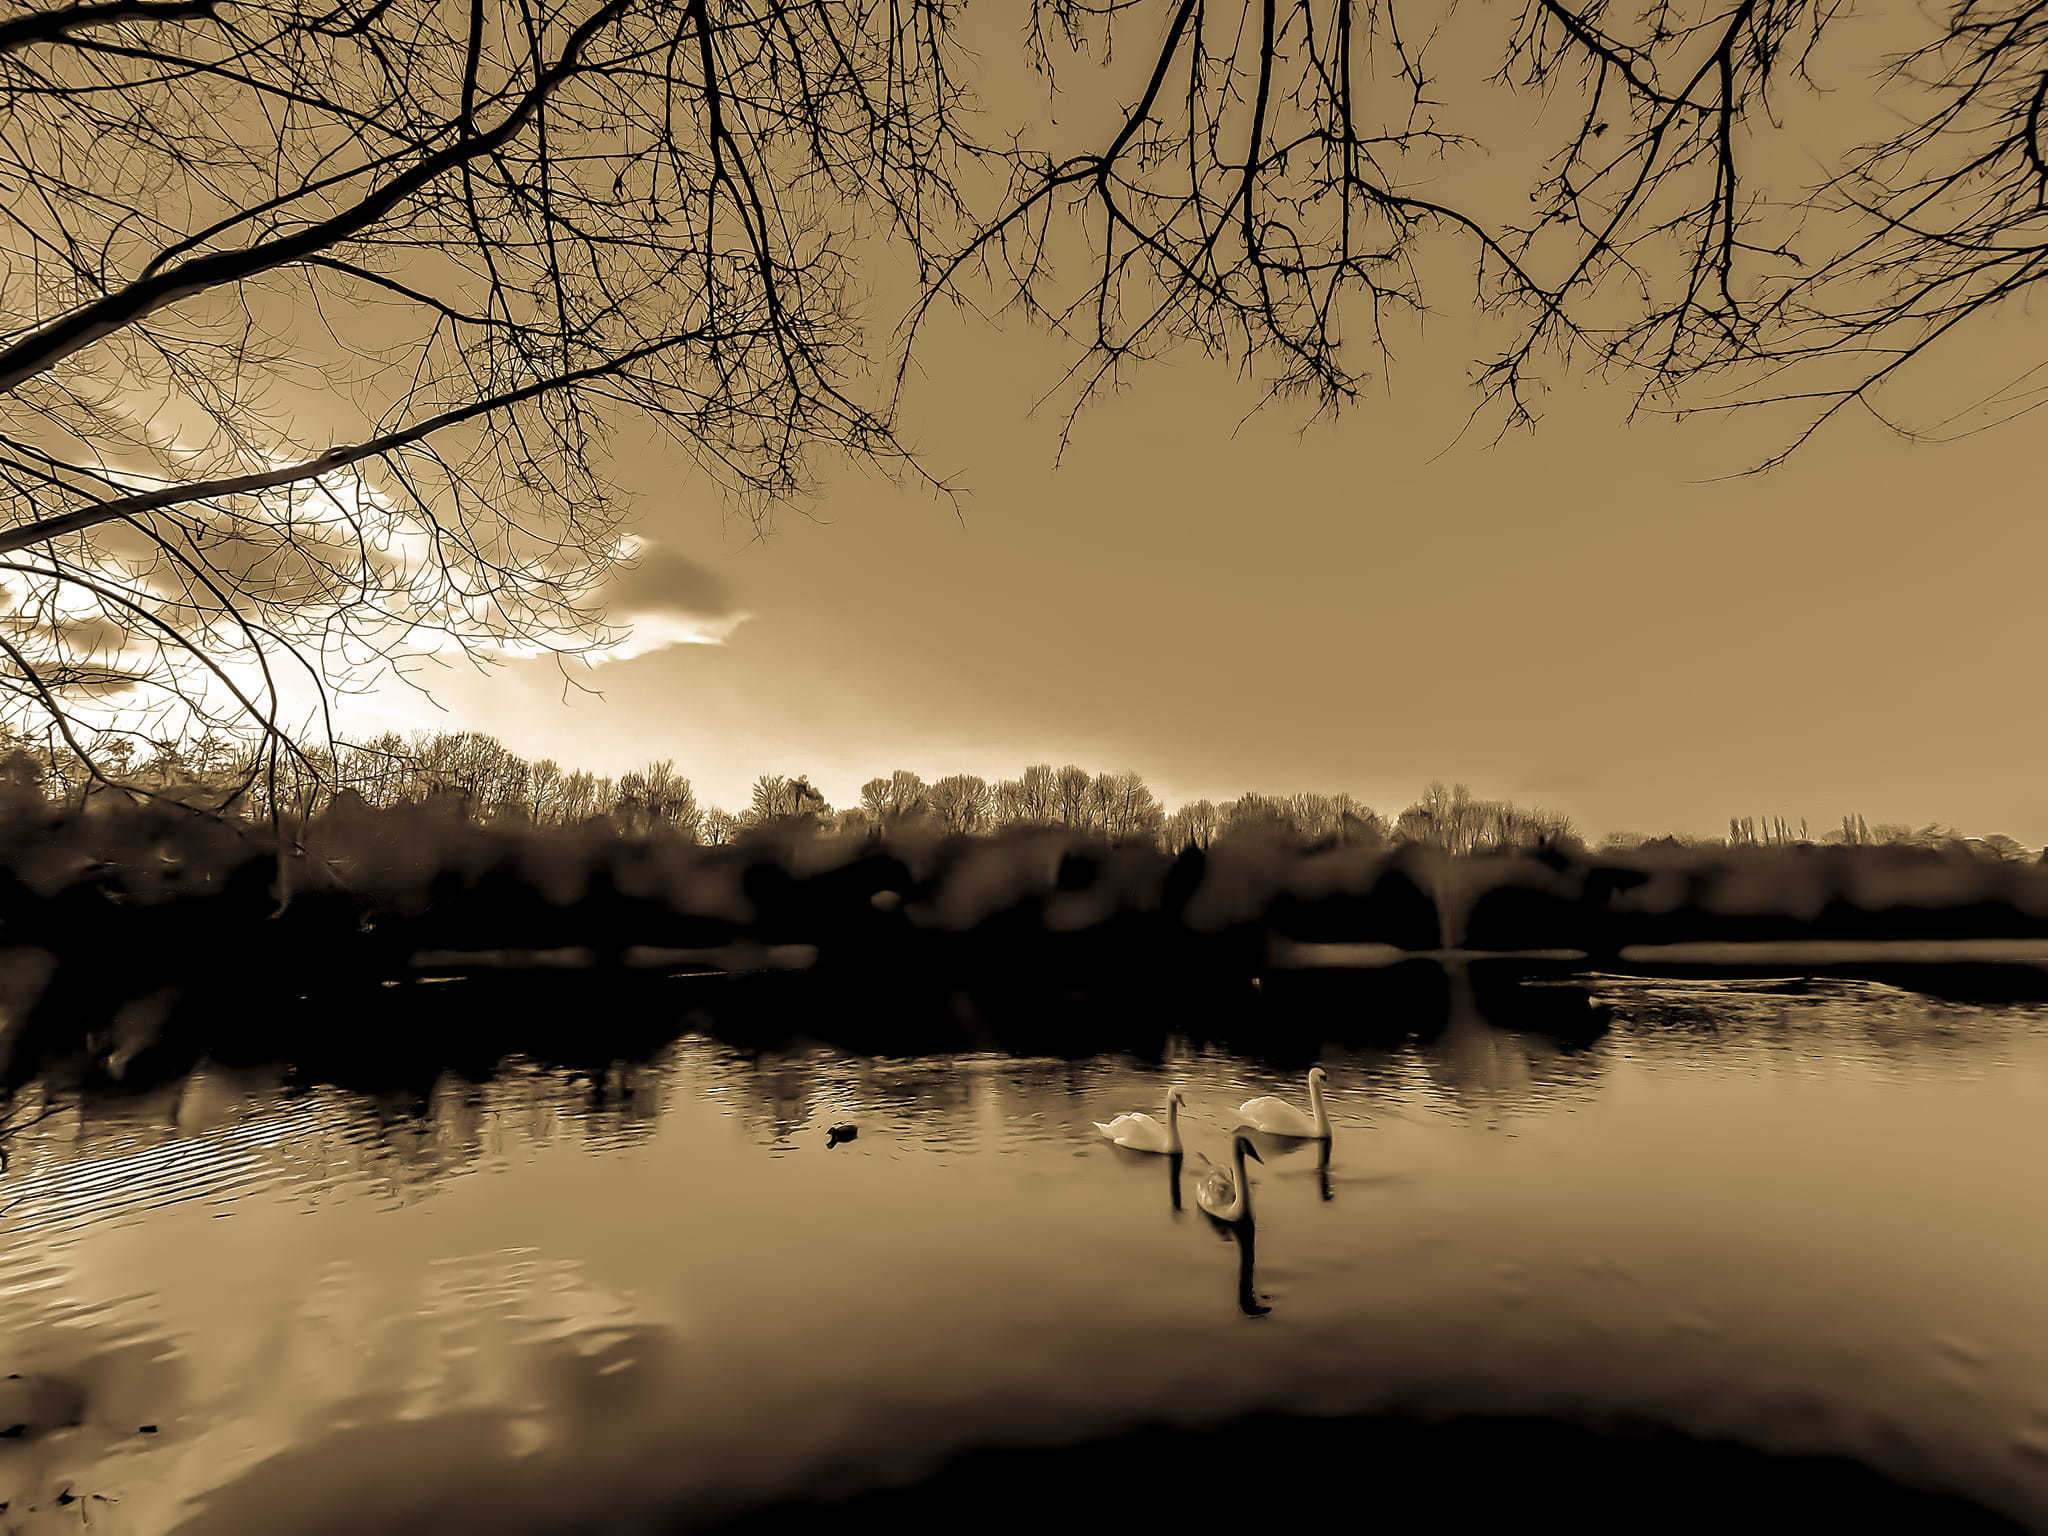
[
  {"x": 1593, "y": 617},
  {"x": 1602, "y": 617}
]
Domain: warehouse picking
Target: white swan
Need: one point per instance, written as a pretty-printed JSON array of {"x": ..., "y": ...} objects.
[
  {"x": 1226, "y": 1193},
  {"x": 1142, "y": 1133},
  {"x": 1277, "y": 1117}
]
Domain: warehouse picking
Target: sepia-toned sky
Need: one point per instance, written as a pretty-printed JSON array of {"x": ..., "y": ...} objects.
[
  {"x": 1604, "y": 618},
  {"x": 1582, "y": 617}
]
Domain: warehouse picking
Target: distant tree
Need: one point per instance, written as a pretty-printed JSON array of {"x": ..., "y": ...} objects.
[
  {"x": 118, "y": 756},
  {"x": 1443, "y": 818},
  {"x": 718, "y": 827},
  {"x": 476, "y": 768},
  {"x": 778, "y": 799},
  {"x": 21, "y": 776},
  {"x": 584, "y": 795},
  {"x": 1339, "y": 818},
  {"x": 1006, "y": 804},
  {"x": 1260, "y": 816},
  {"x": 382, "y": 771},
  {"x": 1193, "y": 825},
  {"x": 544, "y": 791},
  {"x": 1031, "y": 799},
  {"x": 1457, "y": 822},
  {"x": 657, "y": 799},
  {"x": 1038, "y": 793},
  {"x": 1357, "y": 823},
  {"x": 959, "y": 802},
  {"x": 1069, "y": 790},
  {"x": 855, "y": 822},
  {"x": 1124, "y": 807},
  {"x": 891, "y": 800}
]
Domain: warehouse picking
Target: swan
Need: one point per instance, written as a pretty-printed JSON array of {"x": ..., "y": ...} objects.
[
  {"x": 1223, "y": 1196},
  {"x": 1277, "y": 1117},
  {"x": 1142, "y": 1133}
]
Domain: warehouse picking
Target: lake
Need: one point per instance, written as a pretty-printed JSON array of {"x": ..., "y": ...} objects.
[{"x": 1761, "y": 1248}]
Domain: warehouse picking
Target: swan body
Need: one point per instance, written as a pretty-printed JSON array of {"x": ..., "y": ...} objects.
[
  {"x": 1142, "y": 1133},
  {"x": 1277, "y": 1117},
  {"x": 1226, "y": 1193}
]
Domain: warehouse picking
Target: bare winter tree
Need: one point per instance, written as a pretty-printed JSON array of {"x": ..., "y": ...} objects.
[
  {"x": 1277, "y": 177},
  {"x": 658, "y": 799},
  {"x": 960, "y": 802},
  {"x": 1068, "y": 790},
  {"x": 315, "y": 315},
  {"x": 781, "y": 800},
  {"x": 1193, "y": 825},
  {"x": 889, "y": 801}
]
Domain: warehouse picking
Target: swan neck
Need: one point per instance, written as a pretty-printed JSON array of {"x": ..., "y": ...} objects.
[
  {"x": 1243, "y": 1202},
  {"x": 1315, "y": 1106}
]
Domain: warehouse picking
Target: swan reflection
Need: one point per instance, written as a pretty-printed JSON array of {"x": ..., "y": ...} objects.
[
  {"x": 1245, "y": 1235},
  {"x": 1292, "y": 1148}
]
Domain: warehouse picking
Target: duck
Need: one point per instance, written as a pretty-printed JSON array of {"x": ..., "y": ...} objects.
[
  {"x": 1226, "y": 1193},
  {"x": 1142, "y": 1133},
  {"x": 1276, "y": 1117}
]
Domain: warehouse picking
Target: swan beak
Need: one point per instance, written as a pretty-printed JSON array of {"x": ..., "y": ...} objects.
[{"x": 1252, "y": 1152}]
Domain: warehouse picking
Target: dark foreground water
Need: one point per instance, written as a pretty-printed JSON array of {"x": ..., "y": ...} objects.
[{"x": 1758, "y": 1257}]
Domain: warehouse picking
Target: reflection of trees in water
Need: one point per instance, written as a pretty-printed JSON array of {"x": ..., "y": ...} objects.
[
  {"x": 82, "y": 1154},
  {"x": 1808, "y": 1015},
  {"x": 781, "y": 1093},
  {"x": 40, "y": 1122},
  {"x": 22, "y": 1112},
  {"x": 954, "y": 1101},
  {"x": 1494, "y": 1071},
  {"x": 600, "y": 1109},
  {"x": 417, "y": 1142}
]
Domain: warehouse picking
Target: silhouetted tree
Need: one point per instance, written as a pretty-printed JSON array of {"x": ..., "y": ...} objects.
[
  {"x": 779, "y": 800},
  {"x": 888, "y": 801},
  {"x": 1123, "y": 806},
  {"x": 1458, "y": 823},
  {"x": 959, "y": 802},
  {"x": 537, "y": 217},
  {"x": 1257, "y": 816},
  {"x": 1069, "y": 795},
  {"x": 657, "y": 799},
  {"x": 1193, "y": 825}
]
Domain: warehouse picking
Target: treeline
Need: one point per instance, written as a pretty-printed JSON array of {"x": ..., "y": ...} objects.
[
  {"x": 472, "y": 777},
  {"x": 477, "y": 778}
]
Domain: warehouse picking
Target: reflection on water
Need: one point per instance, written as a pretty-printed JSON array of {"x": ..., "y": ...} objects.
[{"x": 1803, "y": 1217}]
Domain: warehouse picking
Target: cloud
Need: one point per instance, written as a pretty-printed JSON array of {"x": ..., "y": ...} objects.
[
  {"x": 661, "y": 581},
  {"x": 664, "y": 599}
]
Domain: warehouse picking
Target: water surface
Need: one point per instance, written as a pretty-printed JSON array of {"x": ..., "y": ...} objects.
[{"x": 1805, "y": 1221}]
